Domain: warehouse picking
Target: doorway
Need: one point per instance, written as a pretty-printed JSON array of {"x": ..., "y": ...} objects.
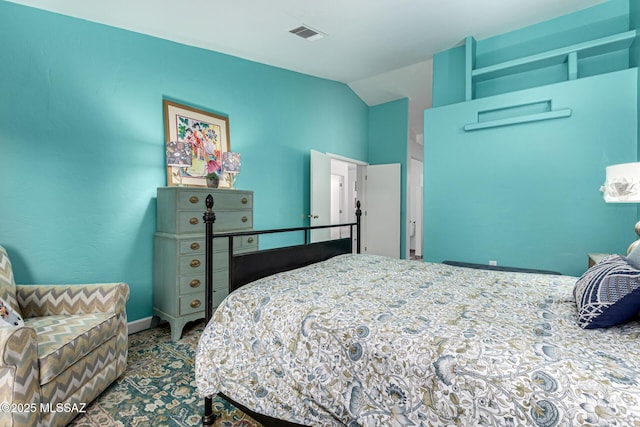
[
  {"x": 414, "y": 229},
  {"x": 337, "y": 183}
]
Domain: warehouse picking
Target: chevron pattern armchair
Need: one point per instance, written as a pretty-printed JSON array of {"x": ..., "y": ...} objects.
[{"x": 63, "y": 346}]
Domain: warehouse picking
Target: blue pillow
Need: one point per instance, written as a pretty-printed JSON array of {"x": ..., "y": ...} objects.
[
  {"x": 608, "y": 293},
  {"x": 634, "y": 257}
]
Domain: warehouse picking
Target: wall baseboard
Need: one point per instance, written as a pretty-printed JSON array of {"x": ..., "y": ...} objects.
[{"x": 139, "y": 325}]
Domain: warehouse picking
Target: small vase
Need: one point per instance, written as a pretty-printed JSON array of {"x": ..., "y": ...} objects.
[{"x": 213, "y": 182}]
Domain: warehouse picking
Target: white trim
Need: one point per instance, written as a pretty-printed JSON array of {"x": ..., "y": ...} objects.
[
  {"x": 347, "y": 159},
  {"x": 139, "y": 325}
]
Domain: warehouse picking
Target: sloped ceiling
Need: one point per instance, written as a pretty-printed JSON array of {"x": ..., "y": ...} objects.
[{"x": 382, "y": 49}]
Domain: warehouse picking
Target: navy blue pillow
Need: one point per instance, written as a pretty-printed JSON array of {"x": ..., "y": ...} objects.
[{"x": 608, "y": 293}]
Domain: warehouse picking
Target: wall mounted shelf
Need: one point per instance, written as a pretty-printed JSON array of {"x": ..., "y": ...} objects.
[{"x": 569, "y": 54}]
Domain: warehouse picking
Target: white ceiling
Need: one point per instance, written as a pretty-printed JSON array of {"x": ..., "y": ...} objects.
[{"x": 382, "y": 49}]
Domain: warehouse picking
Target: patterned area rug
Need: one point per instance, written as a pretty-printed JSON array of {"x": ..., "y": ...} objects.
[{"x": 158, "y": 387}]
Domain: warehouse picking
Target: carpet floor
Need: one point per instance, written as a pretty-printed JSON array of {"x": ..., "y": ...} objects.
[{"x": 158, "y": 388}]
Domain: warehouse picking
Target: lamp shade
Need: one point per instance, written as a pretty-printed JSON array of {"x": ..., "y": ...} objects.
[
  {"x": 622, "y": 184},
  {"x": 230, "y": 162}
]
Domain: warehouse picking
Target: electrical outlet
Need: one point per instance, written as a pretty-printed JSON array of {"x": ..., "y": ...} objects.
[{"x": 493, "y": 262}]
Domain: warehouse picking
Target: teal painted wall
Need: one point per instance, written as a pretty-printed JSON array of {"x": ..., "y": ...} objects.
[
  {"x": 388, "y": 143},
  {"x": 448, "y": 77},
  {"x": 81, "y": 131},
  {"x": 527, "y": 195},
  {"x": 634, "y": 60},
  {"x": 634, "y": 56}
]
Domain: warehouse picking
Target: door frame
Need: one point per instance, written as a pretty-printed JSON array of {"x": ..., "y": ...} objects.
[{"x": 360, "y": 183}]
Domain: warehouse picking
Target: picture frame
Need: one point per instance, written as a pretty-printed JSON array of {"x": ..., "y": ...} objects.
[{"x": 194, "y": 142}]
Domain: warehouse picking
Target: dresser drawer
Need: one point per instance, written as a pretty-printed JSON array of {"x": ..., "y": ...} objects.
[
  {"x": 194, "y": 200},
  {"x": 195, "y": 283},
  {"x": 191, "y": 284},
  {"x": 195, "y": 303},
  {"x": 191, "y": 264},
  {"x": 192, "y": 253},
  {"x": 240, "y": 243},
  {"x": 246, "y": 243},
  {"x": 192, "y": 246},
  {"x": 191, "y": 222},
  {"x": 197, "y": 246},
  {"x": 194, "y": 264},
  {"x": 192, "y": 303}
]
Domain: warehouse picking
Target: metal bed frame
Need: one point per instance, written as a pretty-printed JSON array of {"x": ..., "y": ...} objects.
[{"x": 247, "y": 267}]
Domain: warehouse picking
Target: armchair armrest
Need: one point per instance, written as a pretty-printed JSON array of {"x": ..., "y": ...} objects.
[
  {"x": 19, "y": 375},
  {"x": 48, "y": 300}
]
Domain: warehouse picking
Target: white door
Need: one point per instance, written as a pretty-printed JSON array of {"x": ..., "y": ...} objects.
[
  {"x": 337, "y": 205},
  {"x": 382, "y": 210},
  {"x": 320, "y": 195}
]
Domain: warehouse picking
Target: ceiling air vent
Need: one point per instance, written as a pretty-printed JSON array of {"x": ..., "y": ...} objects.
[{"x": 307, "y": 33}]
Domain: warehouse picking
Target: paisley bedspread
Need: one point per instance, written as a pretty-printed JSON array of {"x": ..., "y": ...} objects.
[{"x": 362, "y": 340}]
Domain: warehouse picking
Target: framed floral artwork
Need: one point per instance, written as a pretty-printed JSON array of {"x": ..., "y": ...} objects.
[{"x": 194, "y": 141}]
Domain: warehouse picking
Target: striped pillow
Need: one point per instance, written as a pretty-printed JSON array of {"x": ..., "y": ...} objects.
[{"x": 608, "y": 293}]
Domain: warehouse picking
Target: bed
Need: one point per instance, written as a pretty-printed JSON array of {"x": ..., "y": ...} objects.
[{"x": 362, "y": 340}]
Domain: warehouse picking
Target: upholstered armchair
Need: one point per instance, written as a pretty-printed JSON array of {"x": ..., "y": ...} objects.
[{"x": 60, "y": 347}]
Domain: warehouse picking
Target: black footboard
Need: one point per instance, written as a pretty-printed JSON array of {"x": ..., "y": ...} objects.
[{"x": 248, "y": 267}]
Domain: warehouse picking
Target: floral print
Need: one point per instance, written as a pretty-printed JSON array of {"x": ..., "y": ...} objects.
[{"x": 361, "y": 340}]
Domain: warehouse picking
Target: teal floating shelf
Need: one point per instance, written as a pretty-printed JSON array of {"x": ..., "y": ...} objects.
[
  {"x": 571, "y": 55},
  {"x": 548, "y": 115},
  {"x": 557, "y": 56}
]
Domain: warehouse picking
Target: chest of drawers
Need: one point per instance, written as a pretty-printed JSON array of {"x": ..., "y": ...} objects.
[{"x": 179, "y": 250}]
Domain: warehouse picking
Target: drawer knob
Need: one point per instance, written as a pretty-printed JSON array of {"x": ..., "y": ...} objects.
[
  {"x": 195, "y": 303},
  {"x": 250, "y": 240},
  {"x": 194, "y": 283},
  {"x": 195, "y": 263},
  {"x": 244, "y": 200},
  {"x": 193, "y": 221},
  {"x": 245, "y": 219},
  {"x": 195, "y": 246},
  {"x": 194, "y": 199}
]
